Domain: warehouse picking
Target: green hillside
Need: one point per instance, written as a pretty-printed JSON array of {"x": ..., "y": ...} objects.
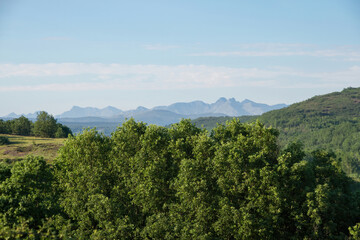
[
  {"x": 330, "y": 121},
  {"x": 343, "y": 105}
]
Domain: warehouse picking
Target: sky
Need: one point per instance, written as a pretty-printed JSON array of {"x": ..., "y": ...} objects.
[{"x": 63, "y": 53}]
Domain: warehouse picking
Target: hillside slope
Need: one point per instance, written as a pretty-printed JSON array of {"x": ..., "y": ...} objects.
[{"x": 330, "y": 121}]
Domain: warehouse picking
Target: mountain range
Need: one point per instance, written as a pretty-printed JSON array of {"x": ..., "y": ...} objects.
[{"x": 163, "y": 115}]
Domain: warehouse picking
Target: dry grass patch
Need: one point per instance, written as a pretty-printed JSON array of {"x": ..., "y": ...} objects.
[{"x": 21, "y": 146}]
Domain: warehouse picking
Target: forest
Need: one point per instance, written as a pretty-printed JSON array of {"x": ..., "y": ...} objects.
[{"x": 181, "y": 182}]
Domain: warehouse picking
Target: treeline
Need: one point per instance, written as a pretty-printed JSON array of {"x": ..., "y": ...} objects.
[
  {"x": 44, "y": 126},
  {"x": 150, "y": 182},
  {"x": 211, "y": 122}
]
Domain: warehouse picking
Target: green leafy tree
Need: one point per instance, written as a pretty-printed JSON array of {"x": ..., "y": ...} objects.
[
  {"x": 62, "y": 131},
  {"x": 332, "y": 207},
  {"x": 92, "y": 194},
  {"x": 5, "y": 127},
  {"x": 243, "y": 164},
  {"x": 145, "y": 163},
  {"x": 45, "y": 125},
  {"x": 27, "y": 198},
  {"x": 21, "y": 126}
]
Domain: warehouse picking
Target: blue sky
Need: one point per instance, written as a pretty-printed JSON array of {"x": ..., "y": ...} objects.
[{"x": 57, "y": 54}]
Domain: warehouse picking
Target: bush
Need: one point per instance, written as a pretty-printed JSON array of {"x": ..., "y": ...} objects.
[{"x": 4, "y": 140}]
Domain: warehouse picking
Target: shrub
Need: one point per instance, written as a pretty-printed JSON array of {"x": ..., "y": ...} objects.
[{"x": 4, "y": 140}]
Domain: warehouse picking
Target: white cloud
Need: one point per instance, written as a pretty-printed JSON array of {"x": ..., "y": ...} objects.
[
  {"x": 189, "y": 72},
  {"x": 97, "y": 76}
]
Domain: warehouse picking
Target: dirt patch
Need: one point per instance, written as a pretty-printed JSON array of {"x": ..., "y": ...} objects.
[
  {"x": 15, "y": 152},
  {"x": 47, "y": 146},
  {"x": 24, "y": 149}
]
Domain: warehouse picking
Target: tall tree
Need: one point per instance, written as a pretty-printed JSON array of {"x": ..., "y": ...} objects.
[
  {"x": 92, "y": 190},
  {"x": 45, "y": 125},
  {"x": 21, "y": 126},
  {"x": 4, "y": 126}
]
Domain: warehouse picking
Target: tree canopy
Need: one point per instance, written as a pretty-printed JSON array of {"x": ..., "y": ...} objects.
[{"x": 151, "y": 182}]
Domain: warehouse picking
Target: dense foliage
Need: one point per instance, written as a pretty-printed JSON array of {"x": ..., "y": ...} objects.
[
  {"x": 44, "y": 126},
  {"x": 150, "y": 182}
]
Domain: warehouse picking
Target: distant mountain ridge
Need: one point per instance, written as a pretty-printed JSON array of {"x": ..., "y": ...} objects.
[
  {"x": 163, "y": 115},
  {"x": 222, "y": 107},
  {"x": 14, "y": 115},
  {"x": 79, "y": 112}
]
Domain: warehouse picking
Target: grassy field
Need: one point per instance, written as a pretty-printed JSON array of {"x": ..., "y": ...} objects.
[{"x": 21, "y": 146}]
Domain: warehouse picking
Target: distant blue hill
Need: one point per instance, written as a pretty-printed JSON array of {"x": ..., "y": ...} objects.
[
  {"x": 162, "y": 115},
  {"x": 222, "y": 107}
]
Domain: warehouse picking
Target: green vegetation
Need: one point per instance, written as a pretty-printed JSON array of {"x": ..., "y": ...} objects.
[
  {"x": 27, "y": 198},
  {"x": 21, "y": 126},
  {"x": 4, "y": 140},
  {"x": 330, "y": 122},
  {"x": 235, "y": 181},
  {"x": 210, "y": 123},
  {"x": 151, "y": 182},
  {"x": 44, "y": 126}
]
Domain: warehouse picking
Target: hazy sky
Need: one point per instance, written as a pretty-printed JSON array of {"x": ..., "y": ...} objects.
[{"x": 60, "y": 53}]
